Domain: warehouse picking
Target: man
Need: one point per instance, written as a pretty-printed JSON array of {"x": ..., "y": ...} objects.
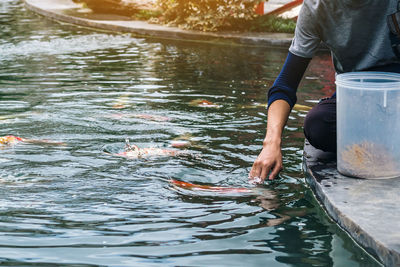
[{"x": 362, "y": 35}]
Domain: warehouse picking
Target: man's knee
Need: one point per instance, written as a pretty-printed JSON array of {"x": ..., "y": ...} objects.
[{"x": 320, "y": 127}]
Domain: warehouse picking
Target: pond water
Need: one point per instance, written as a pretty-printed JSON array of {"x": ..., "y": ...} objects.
[{"x": 78, "y": 204}]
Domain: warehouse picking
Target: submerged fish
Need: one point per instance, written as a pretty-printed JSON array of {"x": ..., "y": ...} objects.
[
  {"x": 203, "y": 103},
  {"x": 300, "y": 107},
  {"x": 121, "y": 102},
  {"x": 254, "y": 105},
  {"x": 180, "y": 143},
  {"x": 149, "y": 117},
  {"x": 209, "y": 188},
  {"x": 183, "y": 141}
]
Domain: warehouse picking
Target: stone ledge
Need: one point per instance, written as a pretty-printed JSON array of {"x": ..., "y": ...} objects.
[
  {"x": 368, "y": 210},
  {"x": 61, "y": 10}
]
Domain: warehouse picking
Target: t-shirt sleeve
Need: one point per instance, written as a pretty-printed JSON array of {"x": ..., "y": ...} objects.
[
  {"x": 306, "y": 37},
  {"x": 285, "y": 85}
]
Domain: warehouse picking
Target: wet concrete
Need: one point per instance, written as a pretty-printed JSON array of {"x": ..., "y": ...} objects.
[
  {"x": 68, "y": 11},
  {"x": 369, "y": 210}
]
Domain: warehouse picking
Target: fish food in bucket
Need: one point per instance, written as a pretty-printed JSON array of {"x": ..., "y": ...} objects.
[{"x": 368, "y": 124}]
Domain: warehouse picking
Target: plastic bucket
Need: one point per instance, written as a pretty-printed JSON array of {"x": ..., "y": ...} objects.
[{"x": 368, "y": 124}]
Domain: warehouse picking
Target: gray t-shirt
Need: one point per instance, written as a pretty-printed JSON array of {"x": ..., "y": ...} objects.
[{"x": 355, "y": 31}]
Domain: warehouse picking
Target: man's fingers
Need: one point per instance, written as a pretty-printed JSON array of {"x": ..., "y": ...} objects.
[
  {"x": 255, "y": 171},
  {"x": 264, "y": 172},
  {"x": 274, "y": 172},
  {"x": 259, "y": 171}
]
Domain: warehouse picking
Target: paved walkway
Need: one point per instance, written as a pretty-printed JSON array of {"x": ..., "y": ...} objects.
[
  {"x": 70, "y": 12},
  {"x": 143, "y": 4},
  {"x": 368, "y": 210},
  {"x": 290, "y": 8}
]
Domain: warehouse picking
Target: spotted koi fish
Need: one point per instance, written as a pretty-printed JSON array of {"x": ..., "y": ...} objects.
[
  {"x": 137, "y": 152},
  {"x": 208, "y": 188},
  {"x": 134, "y": 152}
]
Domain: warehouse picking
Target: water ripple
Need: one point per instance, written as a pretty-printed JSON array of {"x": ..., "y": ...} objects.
[
  {"x": 80, "y": 204},
  {"x": 58, "y": 46}
]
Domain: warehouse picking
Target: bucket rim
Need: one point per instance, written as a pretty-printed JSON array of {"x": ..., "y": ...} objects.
[{"x": 343, "y": 80}]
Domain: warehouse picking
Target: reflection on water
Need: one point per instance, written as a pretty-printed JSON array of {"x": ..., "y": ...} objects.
[
  {"x": 43, "y": 47},
  {"x": 75, "y": 204}
]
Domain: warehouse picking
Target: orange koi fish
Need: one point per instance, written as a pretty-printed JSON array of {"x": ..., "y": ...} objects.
[
  {"x": 12, "y": 140},
  {"x": 208, "y": 188},
  {"x": 300, "y": 107},
  {"x": 203, "y": 103}
]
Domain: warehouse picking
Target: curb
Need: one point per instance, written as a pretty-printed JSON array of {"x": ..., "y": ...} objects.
[
  {"x": 56, "y": 10},
  {"x": 366, "y": 209}
]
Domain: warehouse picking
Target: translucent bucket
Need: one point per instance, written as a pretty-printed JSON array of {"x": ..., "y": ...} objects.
[{"x": 368, "y": 124}]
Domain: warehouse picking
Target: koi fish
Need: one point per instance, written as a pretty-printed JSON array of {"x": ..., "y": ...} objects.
[
  {"x": 203, "y": 103},
  {"x": 147, "y": 152},
  {"x": 180, "y": 143},
  {"x": 149, "y": 117},
  {"x": 121, "y": 102},
  {"x": 134, "y": 152},
  {"x": 208, "y": 188},
  {"x": 300, "y": 107},
  {"x": 297, "y": 107},
  {"x": 254, "y": 105},
  {"x": 12, "y": 140}
]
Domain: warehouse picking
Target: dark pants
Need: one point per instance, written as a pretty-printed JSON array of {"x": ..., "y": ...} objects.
[{"x": 320, "y": 125}]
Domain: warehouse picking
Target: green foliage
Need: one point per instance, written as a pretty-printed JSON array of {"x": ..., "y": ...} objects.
[
  {"x": 207, "y": 15},
  {"x": 268, "y": 23},
  {"x": 144, "y": 14}
]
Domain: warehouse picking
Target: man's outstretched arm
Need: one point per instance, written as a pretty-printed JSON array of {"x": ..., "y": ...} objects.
[{"x": 281, "y": 99}]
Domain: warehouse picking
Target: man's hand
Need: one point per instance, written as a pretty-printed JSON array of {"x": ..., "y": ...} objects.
[{"x": 269, "y": 161}]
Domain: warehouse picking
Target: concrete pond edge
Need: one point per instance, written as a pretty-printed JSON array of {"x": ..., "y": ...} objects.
[{"x": 320, "y": 173}]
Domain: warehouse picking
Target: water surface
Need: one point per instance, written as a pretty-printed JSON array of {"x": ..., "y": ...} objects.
[{"x": 76, "y": 204}]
